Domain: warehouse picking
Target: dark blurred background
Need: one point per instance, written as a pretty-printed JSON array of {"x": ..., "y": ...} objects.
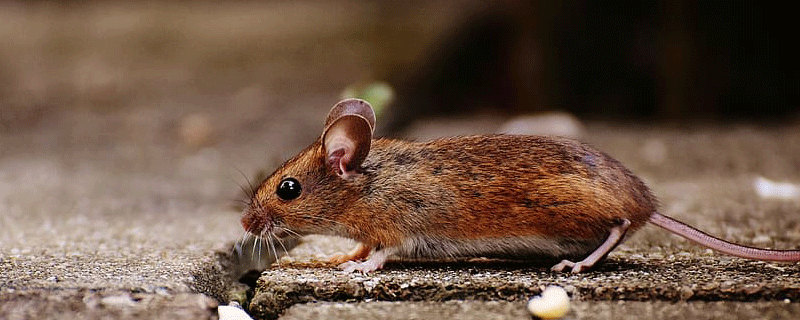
[
  {"x": 644, "y": 60},
  {"x": 94, "y": 73}
]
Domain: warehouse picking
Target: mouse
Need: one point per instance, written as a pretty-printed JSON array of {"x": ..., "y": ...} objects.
[{"x": 496, "y": 196}]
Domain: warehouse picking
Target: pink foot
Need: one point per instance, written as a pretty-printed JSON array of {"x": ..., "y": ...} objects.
[{"x": 375, "y": 262}]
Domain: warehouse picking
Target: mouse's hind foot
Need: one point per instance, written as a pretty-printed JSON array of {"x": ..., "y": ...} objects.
[
  {"x": 575, "y": 267},
  {"x": 615, "y": 236}
]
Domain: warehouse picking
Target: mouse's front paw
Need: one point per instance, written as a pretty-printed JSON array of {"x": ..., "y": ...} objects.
[
  {"x": 363, "y": 267},
  {"x": 375, "y": 262},
  {"x": 339, "y": 259},
  {"x": 359, "y": 253}
]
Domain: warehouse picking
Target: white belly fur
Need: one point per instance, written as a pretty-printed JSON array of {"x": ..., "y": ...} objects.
[{"x": 517, "y": 248}]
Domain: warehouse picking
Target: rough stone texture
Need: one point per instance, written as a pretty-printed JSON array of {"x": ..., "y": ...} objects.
[
  {"x": 502, "y": 310},
  {"x": 73, "y": 237},
  {"x": 104, "y": 304},
  {"x": 126, "y": 133},
  {"x": 676, "y": 277}
]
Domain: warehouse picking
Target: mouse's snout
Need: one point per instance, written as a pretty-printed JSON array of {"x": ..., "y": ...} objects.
[{"x": 256, "y": 222}]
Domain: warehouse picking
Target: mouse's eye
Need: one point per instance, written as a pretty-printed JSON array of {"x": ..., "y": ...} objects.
[{"x": 289, "y": 189}]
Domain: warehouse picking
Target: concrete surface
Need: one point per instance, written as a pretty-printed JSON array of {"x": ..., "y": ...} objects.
[
  {"x": 502, "y": 310},
  {"x": 121, "y": 168},
  {"x": 74, "y": 238},
  {"x": 53, "y": 303},
  {"x": 138, "y": 231},
  {"x": 626, "y": 276}
]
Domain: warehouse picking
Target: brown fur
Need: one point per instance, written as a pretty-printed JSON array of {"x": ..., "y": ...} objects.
[{"x": 460, "y": 188}]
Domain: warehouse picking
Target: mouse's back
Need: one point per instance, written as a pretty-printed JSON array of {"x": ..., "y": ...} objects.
[{"x": 502, "y": 187}]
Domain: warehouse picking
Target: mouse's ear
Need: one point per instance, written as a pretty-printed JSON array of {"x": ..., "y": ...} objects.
[
  {"x": 352, "y": 106},
  {"x": 347, "y": 136}
]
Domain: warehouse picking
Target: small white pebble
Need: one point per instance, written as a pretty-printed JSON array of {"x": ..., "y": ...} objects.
[
  {"x": 552, "y": 304},
  {"x": 232, "y": 313},
  {"x": 768, "y": 189}
]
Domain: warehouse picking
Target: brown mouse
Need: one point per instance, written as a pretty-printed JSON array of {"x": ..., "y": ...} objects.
[{"x": 517, "y": 197}]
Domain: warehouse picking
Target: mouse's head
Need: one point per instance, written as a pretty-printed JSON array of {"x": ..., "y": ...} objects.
[{"x": 308, "y": 193}]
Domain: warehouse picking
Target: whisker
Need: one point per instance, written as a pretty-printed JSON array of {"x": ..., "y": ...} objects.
[
  {"x": 239, "y": 204},
  {"x": 241, "y": 201},
  {"x": 244, "y": 190},
  {"x": 252, "y": 190},
  {"x": 237, "y": 246},
  {"x": 289, "y": 231},
  {"x": 260, "y": 244},
  {"x": 235, "y": 249},
  {"x": 274, "y": 251},
  {"x": 280, "y": 242},
  {"x": 253, "y": 253}
]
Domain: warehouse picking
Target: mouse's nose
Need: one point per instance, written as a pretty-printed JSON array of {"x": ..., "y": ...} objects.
[
  {"x": 255, "y": 223},
  {"x": 247, "y": 221}
]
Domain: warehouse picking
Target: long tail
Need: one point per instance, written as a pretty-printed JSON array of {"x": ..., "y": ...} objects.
[{"x": 709, "y": 241}]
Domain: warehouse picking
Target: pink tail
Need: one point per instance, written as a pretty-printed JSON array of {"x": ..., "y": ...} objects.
[{"x": 706, "y": 240}]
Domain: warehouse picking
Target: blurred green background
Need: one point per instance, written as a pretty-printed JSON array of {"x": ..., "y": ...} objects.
[{"x": 194, "y": 73}]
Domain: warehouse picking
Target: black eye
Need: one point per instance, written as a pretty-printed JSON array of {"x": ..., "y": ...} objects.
[{"x": 289, "y": 189}]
